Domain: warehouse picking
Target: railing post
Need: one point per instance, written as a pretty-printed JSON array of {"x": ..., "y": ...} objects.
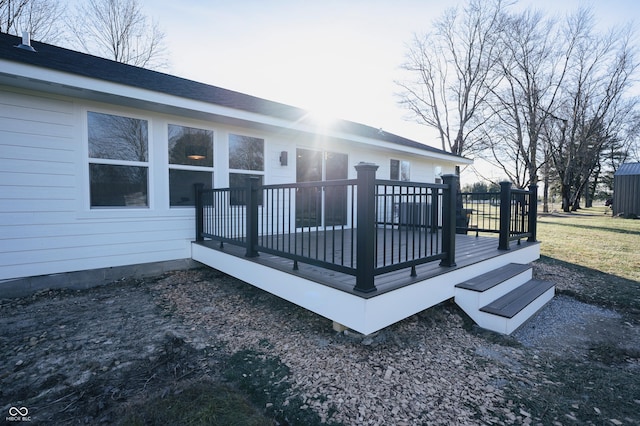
[
  {"x": 252, "y": 216},
  {"x": 198, "y": 188},
  {"x": 505, "y": 215},
  {"x": 533, "y": 212},
  {"x": 449, "y": 199},
  {"x": 366, "y": 227}
]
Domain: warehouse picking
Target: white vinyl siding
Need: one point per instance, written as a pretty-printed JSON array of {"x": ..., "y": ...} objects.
[{"x": 45, "y": 224}]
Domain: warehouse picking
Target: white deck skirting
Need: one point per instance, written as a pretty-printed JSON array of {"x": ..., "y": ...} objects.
[{"x": 365, "y": 316}]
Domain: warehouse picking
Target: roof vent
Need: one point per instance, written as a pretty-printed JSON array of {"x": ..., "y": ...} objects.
[{"x": 26, "y": 42}]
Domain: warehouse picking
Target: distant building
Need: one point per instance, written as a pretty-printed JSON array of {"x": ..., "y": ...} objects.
[{"x": 626, "y": 190}]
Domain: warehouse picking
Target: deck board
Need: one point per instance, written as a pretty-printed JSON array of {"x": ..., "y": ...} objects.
[
  {"x": 469, "y": 250},
  {"x": 491, "y": 279},
  {"x": 509, "y": 305}
]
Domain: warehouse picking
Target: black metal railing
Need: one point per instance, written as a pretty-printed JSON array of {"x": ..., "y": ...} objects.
[
  {"x": 291, "y": 225},
  {"x": 409, "y": 220},
  {"x": 511, "y": 213},
  {"x": 480, "y": 212},
  {"x": 362, "y": 227},
  {"x": 518, "y": 214}
]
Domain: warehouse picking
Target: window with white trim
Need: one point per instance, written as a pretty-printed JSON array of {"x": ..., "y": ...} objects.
[
  {"x": 118, "y": 161},
  {"x": 190, "y": 162},
  {"x": 399, "y": 170},
  {"x": 246, "y": 158}
]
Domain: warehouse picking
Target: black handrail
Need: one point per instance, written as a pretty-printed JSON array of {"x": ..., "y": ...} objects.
[
  {"x": 370, "y": 226},
  {"x": 511, "y": 213},
  {"x": 362, "y": 234}
]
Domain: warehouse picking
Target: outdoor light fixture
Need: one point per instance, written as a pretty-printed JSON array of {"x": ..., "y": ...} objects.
[
  {"x": 284, "y": 158},
  {"x": 196, "y": 152}
]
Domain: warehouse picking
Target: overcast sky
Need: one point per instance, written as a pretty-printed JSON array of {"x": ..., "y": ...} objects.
[{"x": 338, "y": 57}]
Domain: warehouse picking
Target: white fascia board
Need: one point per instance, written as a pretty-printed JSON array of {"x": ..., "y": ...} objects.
[{"x": 423, "y": 153}]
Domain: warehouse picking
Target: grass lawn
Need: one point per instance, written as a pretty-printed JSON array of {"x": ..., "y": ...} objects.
[{"x": 591, "y": 239}]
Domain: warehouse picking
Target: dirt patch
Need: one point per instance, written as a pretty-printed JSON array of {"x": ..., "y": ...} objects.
[
  {"x": 98, "y": 355},
  {"x": 73, "y": 357}
]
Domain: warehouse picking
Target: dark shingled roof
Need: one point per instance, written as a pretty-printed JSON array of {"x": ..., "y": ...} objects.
[
  {"x": 627, "y": 169},
  {"x": 69, "y": 61}
]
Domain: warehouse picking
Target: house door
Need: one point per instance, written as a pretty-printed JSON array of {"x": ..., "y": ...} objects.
[{"x": 314, "y": 207}]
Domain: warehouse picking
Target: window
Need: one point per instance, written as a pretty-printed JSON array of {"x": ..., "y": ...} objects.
[
  {"x": 239, "y": 180},
  {"x": 246, "y": 158},
  {"x": 246, "y": 153},
  {"x": 399, "y": 170},
  {"x": 118, "y": 161},
  {"x": 190, "y": 162}
]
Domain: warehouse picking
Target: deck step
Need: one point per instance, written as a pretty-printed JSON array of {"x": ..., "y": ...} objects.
[
  {"x": 493, "y": 278},
  {"x": 509, "y": 305}
]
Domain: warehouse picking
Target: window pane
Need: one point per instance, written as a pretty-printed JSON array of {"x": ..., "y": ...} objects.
[
  {"x": 190, "y": 146},
  {"x": 181, "y": 191},
  {"x": 395, "y": 170},
  {"x": 246, "y": 153},
  {"x": 117, "y": 138},
  {"x": 405, "y": 168},
  {"x": 239, "y": 181},
  {"x": 118, "y": 186}
]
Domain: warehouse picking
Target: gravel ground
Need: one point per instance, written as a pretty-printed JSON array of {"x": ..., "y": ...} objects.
[{"x": 80, "y": 357}]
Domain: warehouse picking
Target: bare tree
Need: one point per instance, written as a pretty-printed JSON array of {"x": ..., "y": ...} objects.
[
  {"x": 596, "y": 104},
  {"x": 10, "y": 12},
  {"x": 42, "y": 18},
  {"x": 450, "y": 70},
  {"x": 118, "y": 30},
  {"x": 533, "y": 62}
]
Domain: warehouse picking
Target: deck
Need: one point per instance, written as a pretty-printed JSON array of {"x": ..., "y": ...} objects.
[
  {"x": 469, "y": 250},
  {"x": 331, "y": 294},
  {"x": 384, "y": 252}
]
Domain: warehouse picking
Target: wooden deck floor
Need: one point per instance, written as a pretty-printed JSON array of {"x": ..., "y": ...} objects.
[{"x": 469, "y": 250}]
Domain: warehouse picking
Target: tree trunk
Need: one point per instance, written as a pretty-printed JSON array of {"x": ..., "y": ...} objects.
[
  {"x": 566, "y": 197},
  {"x": 588, "y": 196},
  {"x": 576, "y": 204},
  {"x": 591, "y": 191},
  {"x": 545, "y": 198}
]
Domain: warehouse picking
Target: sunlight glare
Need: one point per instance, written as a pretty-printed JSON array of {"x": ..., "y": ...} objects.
[{"x": 322, "y": 118}]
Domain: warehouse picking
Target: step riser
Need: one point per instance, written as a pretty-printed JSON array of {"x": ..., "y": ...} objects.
[{"x": 504, "y": 287}]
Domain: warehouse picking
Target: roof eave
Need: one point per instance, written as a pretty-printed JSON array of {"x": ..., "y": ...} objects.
[{"x": 30, "y": 76}]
